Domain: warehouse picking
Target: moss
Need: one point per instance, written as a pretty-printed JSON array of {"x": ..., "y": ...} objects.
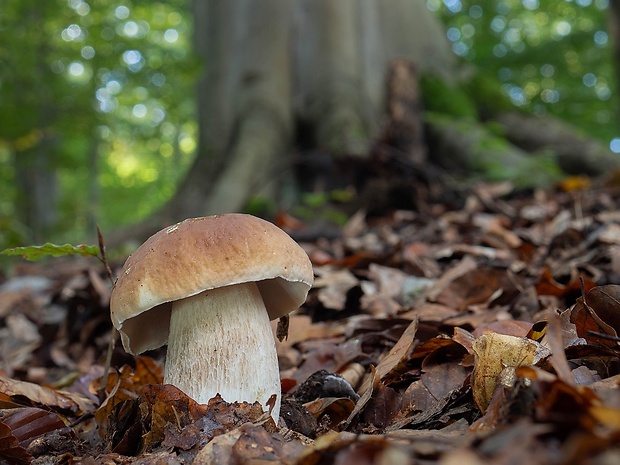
[
  {"x": 441, "y": 97},
  {"x": 495, "y": 128},
  {"x": 487, "y": 94},
  {"x": 490, "y": 156},
  {"x": 262, "y": 206}
]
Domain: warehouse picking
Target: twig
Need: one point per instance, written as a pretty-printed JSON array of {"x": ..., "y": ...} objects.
[
  {"x": 112, "y": 341},
  {"x": 604, "y": 336}
]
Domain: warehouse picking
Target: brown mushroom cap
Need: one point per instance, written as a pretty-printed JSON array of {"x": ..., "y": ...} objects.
[{"x": 200, "y": 254}]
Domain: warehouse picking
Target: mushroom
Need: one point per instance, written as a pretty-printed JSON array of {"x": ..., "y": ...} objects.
[{"x": 208, "y": 287}]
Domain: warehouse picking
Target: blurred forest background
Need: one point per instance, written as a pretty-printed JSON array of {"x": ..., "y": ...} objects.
[{"x": 98, "y": 112}]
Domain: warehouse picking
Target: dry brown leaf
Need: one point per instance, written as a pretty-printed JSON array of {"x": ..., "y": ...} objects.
[
  {"x": 28, "y": 423},
  {"x": 430, "y": 312},
  {"x": 494, "y": 353},
  {"x": 327, "y": 355},
  {"x": 576, "y": 407},
  {"x": 10, "y": 450},
  {"x": 605, "y": 302},
  {"x": 367, "y": 390},
  {"x": 389, "y": 280},
  {"x": 125, "y": 385},
  {"x": 510, "y": 327},
  {"x": 610, "y": 234},
  {"x": 257, "y": 446},
  {"x": 482, "y": 287},
  {"x": 547, "y": 285},
  {"x": 589, "y": 325},
  {"x": 62, "y": 401},
  {"x": 466, "y": 265},
  {"x": 370, "y": 450},
  {"x": 553, "y": 337},
  {"x": 383, "y": 407},
  {"x": 321, "y": 448},
  {"x": 441, "y": 378},
  {"x": 416, "y": 398},
  {"x": 464, "y": 338},
  {"x": 496, "y": 226},
  {"x": 336, "y": 409},
  {"x": 147, "y": 371},
  {"x": 219, "y": 449},
  {"x": 398, "y": 354},
  {"x": 120, "y": 388},
  {"x": 333, "y": 285},
  {"x": 379, "y": 305}
]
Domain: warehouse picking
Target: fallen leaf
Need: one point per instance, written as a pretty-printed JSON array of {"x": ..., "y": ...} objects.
[
  {"x": 10, "y": 450},
  {"x": 29, "y": 423},
  {"x": 333, "y": 286},
  {"x": 383, "y": 407},
  {"x": 589, "y": 325},
  {"x": 605, "y": 302},
  {"x": 61, "y": 401},
  {"x": 494, "y": 353},
  {"x": 334, "y": 409},
  {"x": 398, "y": 354}
]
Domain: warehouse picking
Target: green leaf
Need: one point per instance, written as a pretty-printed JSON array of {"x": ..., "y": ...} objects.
[{"x": 36, "y": 252}]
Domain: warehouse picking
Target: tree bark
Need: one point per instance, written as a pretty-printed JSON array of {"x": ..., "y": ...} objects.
[
  {"x": 34, "y": 163},
  {"x": 36, "y": 181},
  {"x": 271, "y": 64},
  {"x": 574, "y": 153},
  {"x": 244, "y": 105}
]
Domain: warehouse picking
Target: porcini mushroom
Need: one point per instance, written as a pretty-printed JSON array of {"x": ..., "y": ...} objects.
[{"x": 208, "y": 287}]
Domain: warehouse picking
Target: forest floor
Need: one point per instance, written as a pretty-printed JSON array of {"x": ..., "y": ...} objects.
[{"x": 480, "y": 333}]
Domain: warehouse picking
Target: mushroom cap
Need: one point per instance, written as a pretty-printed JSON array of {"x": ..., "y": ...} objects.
[{"x": 200, "y": 254}]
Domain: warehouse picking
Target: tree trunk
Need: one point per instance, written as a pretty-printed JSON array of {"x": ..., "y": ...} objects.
[
  {"x": 36, "y": 183},
  {"x": 276, "y": 65},
  {"x": 244, "y": 103},
  {"x": 574, "y": 153},
  {"x": 35, "y": 156}
]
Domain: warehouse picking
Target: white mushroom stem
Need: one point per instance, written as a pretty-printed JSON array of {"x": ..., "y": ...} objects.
[{"x": 221, "y": 341}]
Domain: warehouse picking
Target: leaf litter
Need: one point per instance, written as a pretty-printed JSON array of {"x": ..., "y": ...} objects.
[{"x": 484, "y": 331}]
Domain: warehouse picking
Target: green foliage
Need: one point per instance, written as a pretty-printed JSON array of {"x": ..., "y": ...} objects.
[
  {"x": 322, "y": 206},
  {"x": 103, "y": 90},
  {"x": 37, "y": 252},
  {"x": 550, "y": 57},
  {"x": 261, "y": 206},
  {"x": 109, "y": 86}
]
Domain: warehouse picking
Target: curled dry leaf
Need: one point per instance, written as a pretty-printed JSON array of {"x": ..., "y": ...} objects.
[
  {"x": 10, "y": 450},
  {"x": 61, "y": 401},
  {"x": 589, "y": 325},
  {"x": 126, "y": 384},
  {"x": 164, "y": 405},
  {"x": 495, "y": 354},
  {"x": 605, "y": 302},
  {"x": 29, "y": 423},
  {"x": 398, "y": 354},
  {"x": 573, "y": 406},
  {"x": 335, "y": 409}
]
